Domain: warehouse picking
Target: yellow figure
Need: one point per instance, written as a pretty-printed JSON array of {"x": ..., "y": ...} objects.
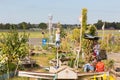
[
  {"x": 94, "y": 78},
  {"x": 111, "y": 78},
  {"x": 104, "y": 77}
]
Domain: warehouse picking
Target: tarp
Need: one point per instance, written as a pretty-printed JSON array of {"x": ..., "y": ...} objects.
[{"x": 91, "y": 37}]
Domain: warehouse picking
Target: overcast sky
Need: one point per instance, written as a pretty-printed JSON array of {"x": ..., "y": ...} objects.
[{"x": 64, "y": 11}]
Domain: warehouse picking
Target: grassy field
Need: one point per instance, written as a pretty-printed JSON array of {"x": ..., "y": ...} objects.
[
  {"x": 32, "y": 34},
  {"x": 38, "y": 34},
  {"x": 43, "y": 59},
  {"x": 113, "y": 32}
]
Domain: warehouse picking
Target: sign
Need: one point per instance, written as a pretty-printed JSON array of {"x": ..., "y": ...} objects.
[{"x": 44, "y": 41}]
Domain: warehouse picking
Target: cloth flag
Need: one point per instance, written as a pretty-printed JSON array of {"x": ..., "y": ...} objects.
[
  {"x": 80, "y": 19},
  {"x": 103, "y": 27}
]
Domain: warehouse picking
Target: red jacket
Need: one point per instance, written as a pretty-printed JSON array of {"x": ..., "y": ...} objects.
[{"x": 100, "y": 67}]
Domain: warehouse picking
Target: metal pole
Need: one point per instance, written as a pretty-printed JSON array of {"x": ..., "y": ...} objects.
[{"x": 50, "y": 26}]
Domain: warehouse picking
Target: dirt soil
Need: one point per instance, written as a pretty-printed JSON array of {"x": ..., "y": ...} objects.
[{"x": 114, "y": 56}]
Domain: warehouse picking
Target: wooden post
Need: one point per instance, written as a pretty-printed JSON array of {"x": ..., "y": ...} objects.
[
  {"x": 57, "y": 58},
  {"x": 103, "y": 35},
  {"x": 78, "y": 56},
  {"x": 57, "y": 43},
  {"x": 103, "y": 27}
]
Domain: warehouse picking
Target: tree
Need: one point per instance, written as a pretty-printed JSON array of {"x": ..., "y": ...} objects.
[
  {"x": 84, "y": 19},
  {"x": 7, "y": 26},
  {"x": 86, "y": 43},
  {"x": 91, "y": 30},
  {"x": 43, "y": 26},
  {"x": 99, "y": 24},
  {"x": 13, "y": 48},
  {"x": 22, "y": 25},
  {"x": 1, "y": 26},
  {"x": 118, "y": 25}
]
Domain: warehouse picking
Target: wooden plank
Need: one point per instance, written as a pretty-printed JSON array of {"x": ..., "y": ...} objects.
[
  {"x": 117, "y": 74},
  {"x": 52, "y": 76},
  {"x": 33, "y": 76},
  {"x": 92, "y": 73},
  {"x": 37, "y": 75}
]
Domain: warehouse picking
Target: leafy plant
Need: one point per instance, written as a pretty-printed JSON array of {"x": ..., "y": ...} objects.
[
  {"x": 13, "y": 47},
  {"x": 109, "y": 64}
]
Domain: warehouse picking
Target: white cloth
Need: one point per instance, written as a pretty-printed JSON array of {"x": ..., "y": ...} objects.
[
  {"x": 57, "y": 37},
  {"x": 96, "y": 49}
]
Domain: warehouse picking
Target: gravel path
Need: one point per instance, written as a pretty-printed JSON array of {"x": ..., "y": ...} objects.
[
  {"x": 114, "y": 56},
  {"x": 35, "y": 41}
]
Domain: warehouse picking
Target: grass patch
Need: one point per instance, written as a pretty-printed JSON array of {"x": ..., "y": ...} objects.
[
  {"x": 32, "y": 34},
  {"x": 20, "y": 78},
  {"x": 43, "y": 59}
]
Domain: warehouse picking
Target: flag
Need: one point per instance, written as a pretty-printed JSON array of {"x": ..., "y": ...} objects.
[
  {"x": 103, "y": 27},
  {"x": 80, "y": 18}
]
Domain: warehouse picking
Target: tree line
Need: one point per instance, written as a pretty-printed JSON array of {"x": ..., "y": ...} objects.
[
  {"x": 23, "y": 25},
  {"x": 29, "y": 26},
  {"x": 108, "y": 25}
]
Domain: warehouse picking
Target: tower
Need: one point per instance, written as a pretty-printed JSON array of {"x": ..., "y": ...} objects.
[{"x": 50, "y": 28}]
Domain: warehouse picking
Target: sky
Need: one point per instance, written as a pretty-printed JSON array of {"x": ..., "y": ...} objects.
[{"x": 63, "y": 11}]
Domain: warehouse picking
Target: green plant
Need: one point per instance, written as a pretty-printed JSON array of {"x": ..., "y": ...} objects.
[
  {"x": 19, "y": 78},
  {"x": 13, "y": 47},
  {"x": 109, "y": 64},
  {"x": 81, "y": 63},
  {"x": 91, "y": 30},
  {"x": 76, "y": 34}
]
